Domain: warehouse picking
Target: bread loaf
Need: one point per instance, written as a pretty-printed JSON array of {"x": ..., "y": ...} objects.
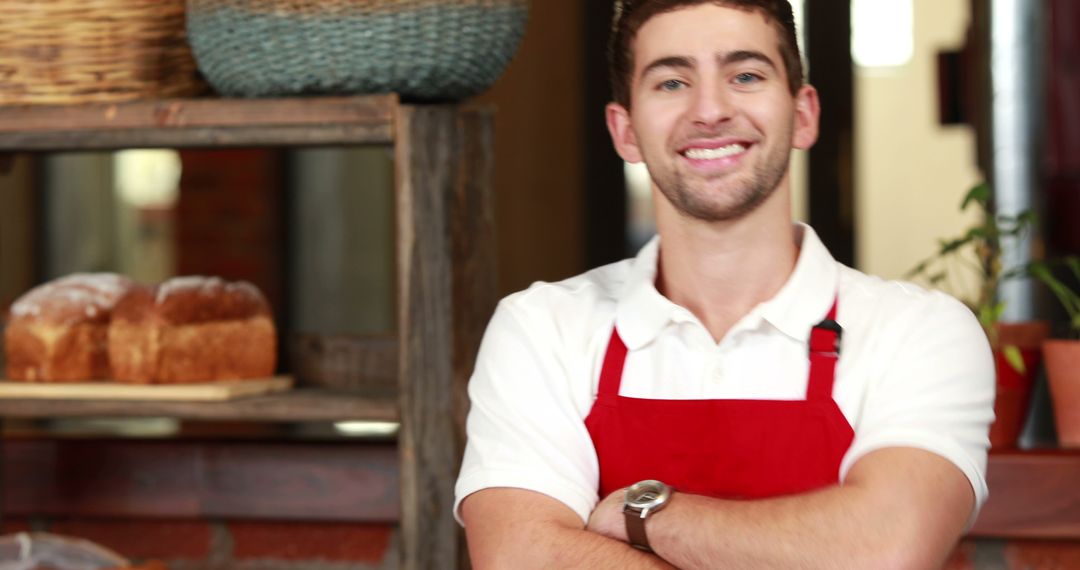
[
  {"x": 57, "y": 332},
  {"x": 192, "y": 329}
]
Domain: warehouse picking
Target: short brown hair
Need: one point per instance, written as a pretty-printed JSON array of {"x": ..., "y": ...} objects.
[{"x": 631, "y": 15}]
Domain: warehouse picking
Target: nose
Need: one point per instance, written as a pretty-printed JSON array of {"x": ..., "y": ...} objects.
[{"x": 711, "y": 105}]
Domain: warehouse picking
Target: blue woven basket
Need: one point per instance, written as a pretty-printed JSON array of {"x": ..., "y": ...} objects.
[{"x": 427, "y": 50}]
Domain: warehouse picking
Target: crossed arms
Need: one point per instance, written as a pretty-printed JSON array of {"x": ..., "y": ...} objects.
[{"x": 897, "y": 508}]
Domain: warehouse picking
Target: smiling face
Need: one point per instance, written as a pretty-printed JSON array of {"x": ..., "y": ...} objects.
[{"x": 711, "y": 112}]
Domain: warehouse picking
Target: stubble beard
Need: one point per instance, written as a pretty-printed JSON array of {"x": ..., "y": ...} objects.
[{"x": 737, "y": 200}]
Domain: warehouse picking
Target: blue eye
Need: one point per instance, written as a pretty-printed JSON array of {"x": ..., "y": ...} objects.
[
  {"x": 747, "y": 78},
  {"x": 671, "y": 85}
]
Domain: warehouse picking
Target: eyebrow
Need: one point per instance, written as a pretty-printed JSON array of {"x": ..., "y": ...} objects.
[
  {"x": 729, "y": 58},
  {"x": 677, "y": 62},
  {"x": 739, "y": 56}
]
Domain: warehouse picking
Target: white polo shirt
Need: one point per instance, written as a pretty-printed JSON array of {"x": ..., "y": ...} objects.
[{"x": 915, "y": 369}]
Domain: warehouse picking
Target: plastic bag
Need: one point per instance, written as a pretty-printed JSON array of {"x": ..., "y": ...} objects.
[{"x": 44, "y": 551}]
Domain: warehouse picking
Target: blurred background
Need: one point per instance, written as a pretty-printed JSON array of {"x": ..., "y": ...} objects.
[
  {"x": 922, "y": 100},
  {"x": 914, "y": 116}
]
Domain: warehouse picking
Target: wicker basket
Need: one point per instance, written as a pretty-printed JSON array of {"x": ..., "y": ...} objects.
[
  {"x": 421, "y": 49},
  {"x": 82, "y": 51}
]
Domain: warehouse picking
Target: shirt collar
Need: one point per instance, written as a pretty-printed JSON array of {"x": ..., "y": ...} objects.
[
  {"x": 642, "y": 312},
  {"x": 809, "y": 292}
]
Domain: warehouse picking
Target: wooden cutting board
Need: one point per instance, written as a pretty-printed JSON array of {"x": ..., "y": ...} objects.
[{"x": 209, "y": 391}]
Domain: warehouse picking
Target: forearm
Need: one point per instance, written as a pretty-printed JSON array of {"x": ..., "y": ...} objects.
[
  {"x": 546, "y": 545},
  {"x": 572, "y": 548},
  {"x": 912, "y": 522},
  {"x": 821, "y": 530},
  {"x": 519, "y": 529}
]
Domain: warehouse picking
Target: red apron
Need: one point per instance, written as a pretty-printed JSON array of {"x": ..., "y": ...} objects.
[{"x": 732, "y": 449}]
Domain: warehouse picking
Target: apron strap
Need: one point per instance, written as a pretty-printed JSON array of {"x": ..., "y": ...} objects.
[
  {"x": 611, "y": 373},
  {"x": 824, "y": 352},
  {"x": 824, "y": 348}
]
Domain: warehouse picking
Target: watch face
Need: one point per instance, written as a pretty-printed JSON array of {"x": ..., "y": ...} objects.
[{"x": 647, "y": 494}]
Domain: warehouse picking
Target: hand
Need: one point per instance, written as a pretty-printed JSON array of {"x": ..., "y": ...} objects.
[{"x": 607, "y": 518}]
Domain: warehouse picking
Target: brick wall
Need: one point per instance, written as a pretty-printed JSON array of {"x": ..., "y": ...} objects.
[
  {"x": 229, "y": 217},
  {"x": 234, "y": 545},
  {"x": 263, "y": 545},
  {"x": 1015, "y": 555}
]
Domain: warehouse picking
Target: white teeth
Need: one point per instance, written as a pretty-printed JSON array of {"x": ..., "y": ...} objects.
[{"x": 714, "y": 153}]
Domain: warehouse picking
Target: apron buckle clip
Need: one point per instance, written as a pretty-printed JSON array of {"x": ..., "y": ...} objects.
[{"x": 825, "y": 337}]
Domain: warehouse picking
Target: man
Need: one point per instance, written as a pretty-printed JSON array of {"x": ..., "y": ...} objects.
[{"x": 765, "y": 405}]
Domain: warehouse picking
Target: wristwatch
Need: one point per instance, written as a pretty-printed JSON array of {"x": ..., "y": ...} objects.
[{"x": 643, "y": 499}]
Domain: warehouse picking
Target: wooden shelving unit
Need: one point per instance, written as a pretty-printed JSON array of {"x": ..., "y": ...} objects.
[
  {"x": 186, "y": 479},
  {"x": 1033, "y": 494},
  {"x": 297, "y": 405},
  {"x": 444, "y": 259},
  {"x": 201, "y": 123}
]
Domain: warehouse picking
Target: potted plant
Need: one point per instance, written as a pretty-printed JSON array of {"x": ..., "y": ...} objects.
[
  {"x": 1017, "y": 346},
  {"x": 1063, "y": 355}
]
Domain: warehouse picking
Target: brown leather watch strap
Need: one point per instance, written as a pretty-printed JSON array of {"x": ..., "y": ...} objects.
[{"x": 635, "y": 529}]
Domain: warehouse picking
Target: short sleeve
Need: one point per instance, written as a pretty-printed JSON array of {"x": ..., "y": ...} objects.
[
  {"x": 525, "y": 427},
  {"x": 935, "y": 391}
]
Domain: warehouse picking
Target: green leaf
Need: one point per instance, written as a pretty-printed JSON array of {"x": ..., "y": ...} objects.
[
  {"x": 1068, "y": 299},
  {"x": 917, "y": 269},
  {"x": 1015, "y": 272},
  {"x": 1040, "y": 271},
  {"x": 1073, "y": 263},
  {"x": 980, "y": 194},
  {"x": 1014, "y": 358},
  {"x": 948, "y": 247},
  {"x": 990, "y": 314}
]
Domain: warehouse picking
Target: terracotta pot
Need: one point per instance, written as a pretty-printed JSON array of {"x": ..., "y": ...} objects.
[
  {"x": 1013, "y": 387},
  {"x": 1063, "y": 376}
]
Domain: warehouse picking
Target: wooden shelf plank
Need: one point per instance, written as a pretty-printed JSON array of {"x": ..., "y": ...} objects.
[
  {"x": 1033, "y": 494},
  {"x": 200, "y": 479},
  {"x": 207, "y": 122},
  {"x": 345, "y": 361},
  {"x": 301, "y": 404},
  {"x": 112, "y": 390}
]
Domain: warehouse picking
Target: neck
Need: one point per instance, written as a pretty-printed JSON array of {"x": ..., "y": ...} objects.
[{"x": 721, "y": 270}]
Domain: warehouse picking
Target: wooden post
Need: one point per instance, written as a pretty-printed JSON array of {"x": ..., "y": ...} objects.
[
  {"x": 19, "y": 205},
  {"x": 446, "y": 292},
  {"x": 831, "y": 171},
  {"x": 475, "y": 282}
]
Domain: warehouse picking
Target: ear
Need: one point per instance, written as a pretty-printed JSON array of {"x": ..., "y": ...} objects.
[
  {"x": 622, "y": 134},
  {"x": 807, "y": 115}
]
